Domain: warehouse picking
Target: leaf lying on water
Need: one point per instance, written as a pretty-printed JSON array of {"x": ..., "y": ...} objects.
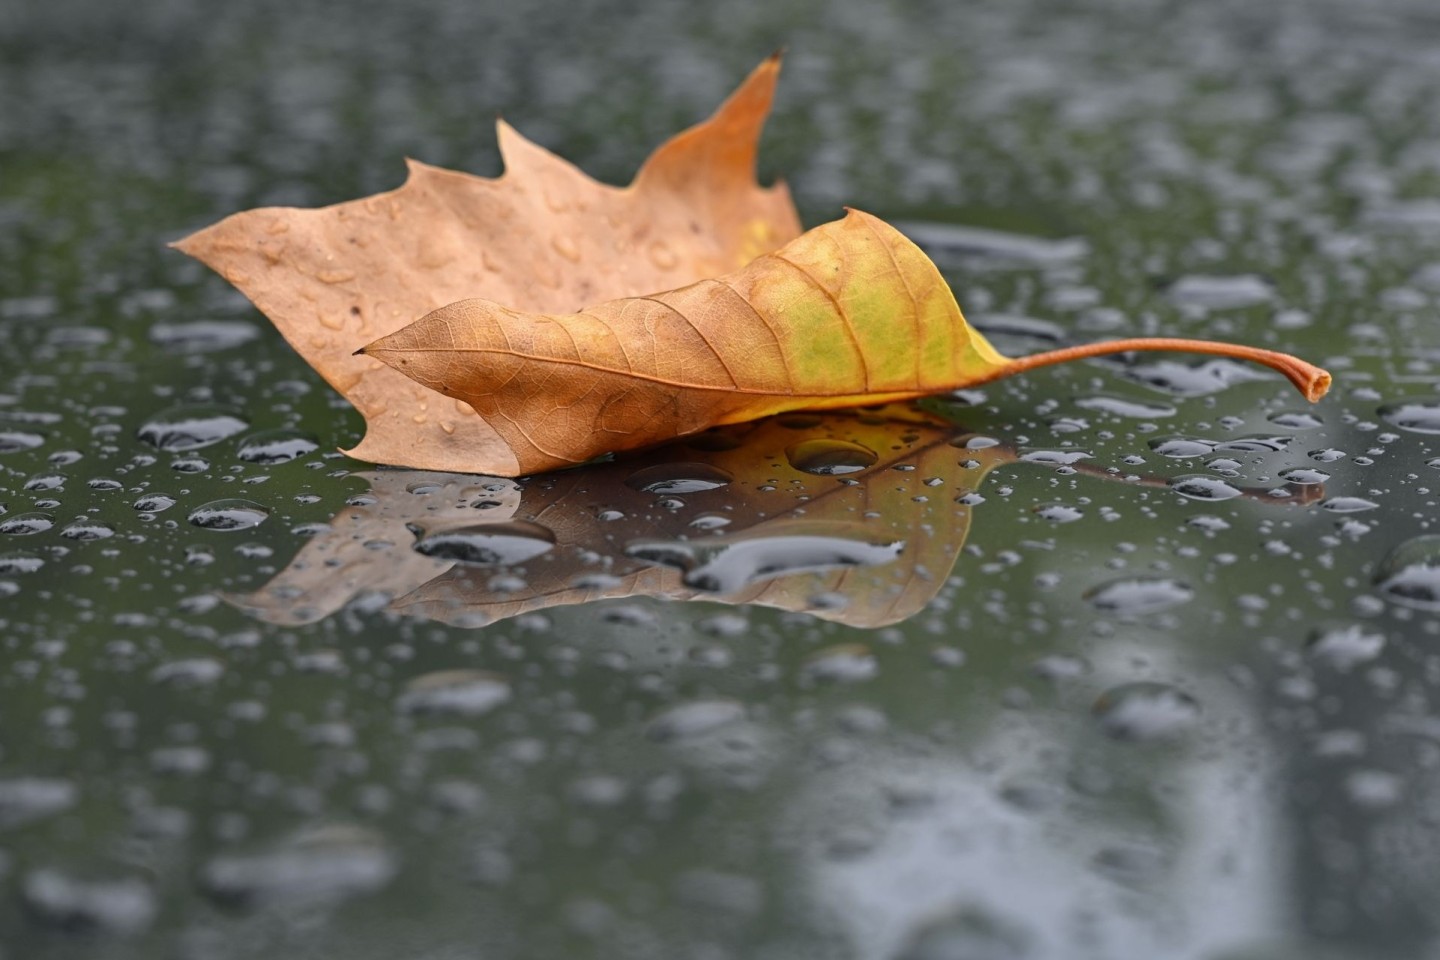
[
  {"x": 572, "y": 352},
  {"x": 848, "y": 314}
]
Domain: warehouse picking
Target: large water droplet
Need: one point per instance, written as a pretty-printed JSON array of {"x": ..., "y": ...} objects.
[
  {"x": 115, "y": 907},
  {"x": 1304, "y": 476},
  {"x": 1126, "y": 407},
  {"x": 729, "y": 567},
  {"x": 827, "y": 457},
  {"x": 26, "y": 799},
  {"x": 229, "y": 515},
  {"x": 12, "y": 563},
  {"x": 276, "y": 446},
  {"x": 1059, "y": 513},
  {"x": 1146, "y": 712},
  {"x": 1201, "y": 487},
  {"x": 24, "y": 524},
  {"x": 488, "y": 544},
  {"x": 1296, "y": 420},
  {"x": 694, "y": 719},
  {"x": 191, "y": 427},
  {"x": 1221, "y": 292},
  {"x": 202, "y": 336},
  {"x": 87, "y": 530},
  {"x": 671, "y": 478},
  {"x": 13, "y": 441},
  {"x": 1134, "y": 596},
  {"x": 1182, "y": 447},
  {"x": 465, "y": 693},
  {"x": 1348, "y": 505},
  {"x": 1410, "y": 575},
  {"x": 154, "y": 503},
  {"x": 1420, "y": 416}
]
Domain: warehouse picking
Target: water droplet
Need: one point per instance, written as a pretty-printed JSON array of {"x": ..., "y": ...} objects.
[
  {"x": 462, "y": 693},
  {"x": 1059, "y": 513},
  {"x": 844, "y": 663},
  {"x": 967, "y": 933},
  {"x": 1059, "y": 458},
  {"x": 229, "y": 515},
  {"x": 24, "y": 524},
  {"x": 45, "y": 481},
  {"x": 1201, "y": 487},
  {"x": 1181, "y": 447},
  {"x": 826, "y": 457},
  {"x": 1419, "y": 416},
  {"x": 662, "y": 256},
  {"x": 193, "y": 672},
  {"x": 565, "y": 245},
  {"x": 694, "y": 719},
  {"x": 1304, "y": 476},
  {"x": 1126, "y": 407},
  {"x": 203, "y": 336},
  {"x": 1346, "y": 646},
  {"x": 674, "y": 478},
  {"x": 115, "y": 907},
  {"x": 27, "y": 799},
  {"x": 191, "y": 427},
  {"x": 276, "y": 446},
  {"x": 487, "y": 544},
  {"x": 1144, "y": 712},
  {"x": 12, "y": 563},
  {"x": 1221, "y": 292},
  {"x": 87, "y": 530},
  {"x": 327, "y": 865},
  {"x": 154, "y": 503},
  {"x": 1348, "y": 505},
  {"x": 1254, "y": 443},
  {"x": 1134, "y": 596},
  {"x": 13, "y": 441},
  {"x": 1410, "y": 575},
  {"x": 192, "y": 464},
  {"x": 729, "y": 567}
]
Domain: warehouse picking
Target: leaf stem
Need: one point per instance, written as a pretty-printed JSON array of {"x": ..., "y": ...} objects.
[{"x": 1309, "y": 379}]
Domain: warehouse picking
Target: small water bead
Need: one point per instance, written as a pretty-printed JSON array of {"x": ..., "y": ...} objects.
[
  {"x": 104, "y": 484},
  {"x": 489, "y": 544},
  {"x": 85, "y": 530},
  {"x": 1254, "y": 443},
  {"x": 115, "y": 907},
  {"x": 1221, "y": 292},
  {"x": 1348, "y": 505},
  {"x": 19, "y": 562},
  {"x": 324, "y": 866},
  {"x": 202, "y": 336},
  {"x": 27, "y": 799},
  {"x": 678, "y": 478},
  {"x": 1056, "y": 457},
  {"x": 1182, "y": 448},
  {"x": 1134, "y": 596},
  {"x": 1200, "y": 487},
  {"x": 1304, "y": 476},
  {"x": 1146, "y": 712},
  {"x": 14, "y": 441},
  {"x": 1345, "y": 646},
  {"x": 455, "y": 693},
  {"x": 1296, "y": 420},
  {"x": 45, "y": 481},
  {"x": 1228, "y": 466},
  {"x": 64, "y": 458},
  {"x": 190, "y": 465},
  {"x": 231, "y": 514},
  {"x": 694, "y": 719},
  {"x": 1126, "y": 407},
  {"x": 153, "y": 503},
  {"x": 826, "y": 457},
  {"x": 276, "y": 446},
  {"x": 25, "y": 524},
  {"x": 1410, "y": 575},
  {"x": 1059, "y": 513},
  {"x": 1417, "y": 416},
  {"x": 191, "y": 426}
]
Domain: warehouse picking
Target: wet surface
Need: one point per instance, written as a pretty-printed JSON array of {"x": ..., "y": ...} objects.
[{"x": 1133, "y": 657}]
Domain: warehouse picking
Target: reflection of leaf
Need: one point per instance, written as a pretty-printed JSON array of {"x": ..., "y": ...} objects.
[
  {"x": 868, "y": 541},
  {"x": 542, "y": 237}
]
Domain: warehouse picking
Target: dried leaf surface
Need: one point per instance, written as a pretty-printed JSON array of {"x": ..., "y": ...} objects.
[
  {"x": 542, "y": 237},
  {"x": 848, "y": 313}
]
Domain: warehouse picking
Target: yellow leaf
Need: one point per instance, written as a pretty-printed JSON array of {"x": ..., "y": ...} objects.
[{"x": 850, "y": 313}]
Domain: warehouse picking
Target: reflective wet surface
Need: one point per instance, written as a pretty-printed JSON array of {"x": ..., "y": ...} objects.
[{"x": 1130, "y": 658}]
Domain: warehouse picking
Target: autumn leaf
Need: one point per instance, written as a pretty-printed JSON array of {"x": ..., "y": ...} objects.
[
  {"x": 610, "y": 319},
  {"x": 848, "y": 314},
  {"x": 544, "y": 236}
]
